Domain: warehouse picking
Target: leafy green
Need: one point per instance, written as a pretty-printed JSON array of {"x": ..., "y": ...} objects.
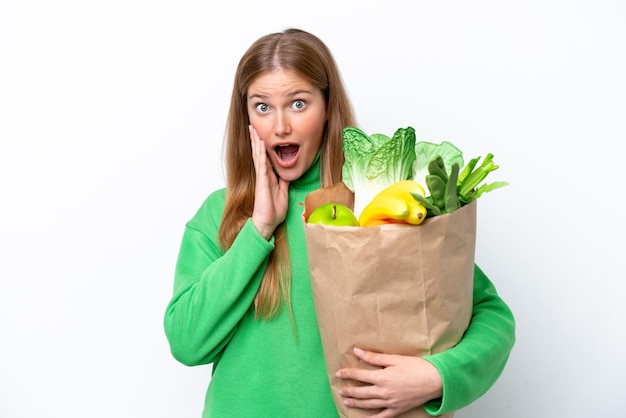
[
  {"x": 374, "y": 162},
  {"x": 452, "y": 188},
  {"x": 426, "y": 152},
  {"x": 469, "y": 185},
  {"x": 484, "y": 188}
]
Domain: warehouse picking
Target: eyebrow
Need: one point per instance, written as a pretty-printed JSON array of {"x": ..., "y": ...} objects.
[{"x": 290, "y": 94}]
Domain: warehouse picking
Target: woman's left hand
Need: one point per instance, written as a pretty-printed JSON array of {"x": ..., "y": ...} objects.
[{"x": 403, "y": 383}]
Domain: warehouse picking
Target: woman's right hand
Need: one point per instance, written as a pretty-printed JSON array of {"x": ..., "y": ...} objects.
[{"x": 271, "y": 192}]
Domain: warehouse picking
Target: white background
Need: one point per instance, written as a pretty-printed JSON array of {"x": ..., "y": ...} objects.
[{"x": 111, "y": 121}]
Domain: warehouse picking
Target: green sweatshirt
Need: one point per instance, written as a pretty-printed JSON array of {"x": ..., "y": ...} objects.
[{"x": 275, "y": 368}]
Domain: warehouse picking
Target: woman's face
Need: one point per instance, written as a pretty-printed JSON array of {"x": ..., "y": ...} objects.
[{"x": 289, "y": 114}]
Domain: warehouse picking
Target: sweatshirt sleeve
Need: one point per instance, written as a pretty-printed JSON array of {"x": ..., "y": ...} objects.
[
  {"x": 471, "y": 367},
  {"x": 213, "y": 289}
]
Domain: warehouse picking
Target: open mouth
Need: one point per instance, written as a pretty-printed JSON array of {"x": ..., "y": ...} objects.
[{"x": 287, "y": 152}]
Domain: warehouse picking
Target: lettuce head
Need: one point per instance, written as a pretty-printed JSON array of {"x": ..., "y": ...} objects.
[{"x": 374, "y": 162}]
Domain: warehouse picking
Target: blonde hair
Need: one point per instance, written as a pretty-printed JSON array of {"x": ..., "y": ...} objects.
[{"x": 306, "y": 54}]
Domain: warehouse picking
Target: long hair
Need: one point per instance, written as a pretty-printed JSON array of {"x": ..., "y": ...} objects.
[{"x": 307, "y": 55}]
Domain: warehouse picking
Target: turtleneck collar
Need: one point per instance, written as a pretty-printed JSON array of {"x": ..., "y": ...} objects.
[{"x": 310, "y": 180}]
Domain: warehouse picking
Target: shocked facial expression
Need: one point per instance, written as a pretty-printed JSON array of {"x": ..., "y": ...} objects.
[{"x": 289, "y": 114}]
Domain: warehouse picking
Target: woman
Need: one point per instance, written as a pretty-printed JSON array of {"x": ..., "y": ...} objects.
[{"x": 242, "y": 294}]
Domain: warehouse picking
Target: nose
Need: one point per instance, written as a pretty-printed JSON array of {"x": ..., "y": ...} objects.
[{"x": 282, "y": 124}]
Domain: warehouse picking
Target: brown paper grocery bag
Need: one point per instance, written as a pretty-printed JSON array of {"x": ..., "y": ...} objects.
[{"x": 395, "y": 289}]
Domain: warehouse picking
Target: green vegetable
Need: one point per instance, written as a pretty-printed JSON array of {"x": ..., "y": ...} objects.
[
  {"x": 437, "y": 167},
  {"x": 374, "y": 162},
  {"x": 426, "y": 152},
  {"x": 454, "y": 188},
  {"x": 467, "y": 169},
  {"x": 468, "y": 184},
  {"x": 451, "y": 198},
  {"x": 443, "y": 196},
  {"x": 437, "y": 187}
]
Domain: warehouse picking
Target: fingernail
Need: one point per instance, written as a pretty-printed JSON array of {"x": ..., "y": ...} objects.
[{"x": 358, "y": 351}]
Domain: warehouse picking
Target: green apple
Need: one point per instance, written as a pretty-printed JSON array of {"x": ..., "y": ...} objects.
[{"x": 334, "y": 214}]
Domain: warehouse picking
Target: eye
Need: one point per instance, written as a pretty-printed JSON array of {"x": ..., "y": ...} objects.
[
  {"x": 262, "y": 108},
  {"x": 299, "y": 104}
]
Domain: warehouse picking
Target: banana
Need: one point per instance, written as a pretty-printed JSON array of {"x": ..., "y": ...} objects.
[
  {"x": 395, "y": 204},
  {"x": 383, "y": 208},
  {"x": 417, "y": 212},
  {"x": 404, "y": 189}
]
